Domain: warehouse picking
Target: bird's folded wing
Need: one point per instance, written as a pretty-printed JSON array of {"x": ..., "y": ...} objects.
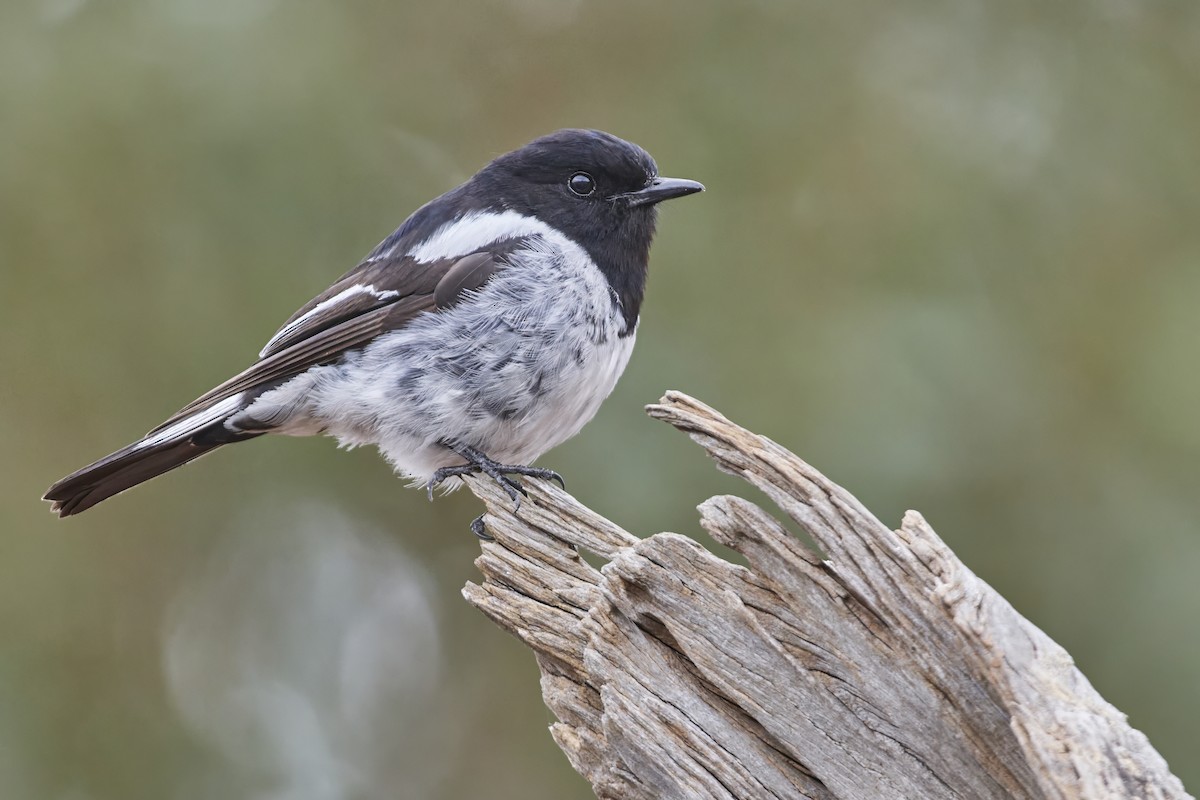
[{"x": 374, "y": 298}]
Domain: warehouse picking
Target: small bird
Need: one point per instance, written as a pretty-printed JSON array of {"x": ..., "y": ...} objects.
[{"x": 487, "y": 329}]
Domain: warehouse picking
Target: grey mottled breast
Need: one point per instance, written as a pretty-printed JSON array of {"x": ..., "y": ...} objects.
[{"x": 513, "y": 369}]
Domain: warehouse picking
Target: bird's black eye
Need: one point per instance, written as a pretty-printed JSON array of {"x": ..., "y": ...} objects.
[{"x": 582, "y": 184}]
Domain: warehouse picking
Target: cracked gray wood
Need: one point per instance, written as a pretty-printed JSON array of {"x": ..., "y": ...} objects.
[{"x": 882, "y": 668}]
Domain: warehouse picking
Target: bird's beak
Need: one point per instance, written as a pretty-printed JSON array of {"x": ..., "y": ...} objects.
[{"x": 661, "y": 189}]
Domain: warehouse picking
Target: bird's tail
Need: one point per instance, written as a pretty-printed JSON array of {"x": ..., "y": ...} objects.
[{"x": 159, "y": 451}]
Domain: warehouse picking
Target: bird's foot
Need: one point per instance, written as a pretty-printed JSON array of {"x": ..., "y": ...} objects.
[{"x": 478, "y": 462}]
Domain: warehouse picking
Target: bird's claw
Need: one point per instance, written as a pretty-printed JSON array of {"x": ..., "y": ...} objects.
[
  {"x": 448, "y": 472},
  {"x": 514, "y": 490},
  {"x": 477, "y": 528},
  {"x": 533, "y": 472},
  {"x": 541, "y": 473}
]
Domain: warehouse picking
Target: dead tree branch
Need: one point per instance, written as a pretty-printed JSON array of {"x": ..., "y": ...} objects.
[{"x": 883, "y": 668}]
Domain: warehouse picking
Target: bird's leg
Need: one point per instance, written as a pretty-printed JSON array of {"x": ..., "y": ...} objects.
[{"x": 478, "y": 462}]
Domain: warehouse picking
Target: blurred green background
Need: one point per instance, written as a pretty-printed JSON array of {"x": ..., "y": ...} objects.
[{"x": 950, "y": 254}]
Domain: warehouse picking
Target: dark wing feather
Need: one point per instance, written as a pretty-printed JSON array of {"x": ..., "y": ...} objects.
[
  {"x": 322, "y": 318},
  {"x": 320, "y": 348},
  {"x": 467, "y": 274},
  {"x": 323, "y": 337},
  {"x": 371, "y": 284}
]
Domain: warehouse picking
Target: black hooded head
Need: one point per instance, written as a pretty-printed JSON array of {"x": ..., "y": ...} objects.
[{"x": 584, "y": 183}]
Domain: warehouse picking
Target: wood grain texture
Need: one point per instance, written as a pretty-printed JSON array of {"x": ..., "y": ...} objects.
[{"x": 879, "y": 668}]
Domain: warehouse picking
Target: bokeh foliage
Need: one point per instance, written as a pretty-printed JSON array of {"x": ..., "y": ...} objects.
[{"x": 949, "y": 254}]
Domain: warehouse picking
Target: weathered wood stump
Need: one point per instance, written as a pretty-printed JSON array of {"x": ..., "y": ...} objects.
[{"x": 883, "y": 668}]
